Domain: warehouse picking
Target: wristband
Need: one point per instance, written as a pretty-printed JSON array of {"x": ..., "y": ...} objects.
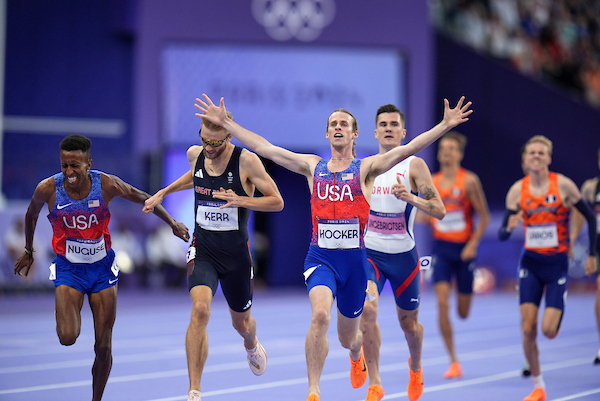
[{"x": 28, "y": 251}]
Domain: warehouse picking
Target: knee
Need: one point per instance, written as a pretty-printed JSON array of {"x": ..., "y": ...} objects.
[
  {"x": 529, "y": 331},
  {"x": 410, "y": 326},
  {"x": 550, "y": 330},
  {"x": 321, "y": 318},
  {"x": 242, "y": 325},
  {"x": 103, "y": 351},
  {"x": 443, "y": 306},
  {"x": 200, "y": 312},
  {"x": 369, "y": 316},
  {"x": 66, "y": 337}
]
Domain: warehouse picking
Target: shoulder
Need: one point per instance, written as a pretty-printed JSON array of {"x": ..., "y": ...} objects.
[
  {"x": 249, "y": 159},
  {"x": 193, "y": 152},
  {"x": 45, "y": 188},
  {"x": 588, "y": 188}
]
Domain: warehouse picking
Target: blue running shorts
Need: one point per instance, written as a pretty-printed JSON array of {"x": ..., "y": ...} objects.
[
  {"x": 85, "y": 277},
  {"x": 343, "y": 271},
  {"x": 402, "y": 270}
]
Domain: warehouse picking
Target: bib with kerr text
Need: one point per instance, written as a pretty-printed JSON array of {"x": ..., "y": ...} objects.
[{"x": 211, "y": 217}]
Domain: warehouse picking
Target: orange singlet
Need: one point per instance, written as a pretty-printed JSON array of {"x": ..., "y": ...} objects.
[
  {"x": 457, "y": 225},
  {"x": 545, "y": 219}
]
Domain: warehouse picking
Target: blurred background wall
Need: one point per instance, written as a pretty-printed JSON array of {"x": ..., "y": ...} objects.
[{"x": 126, "y": 73}]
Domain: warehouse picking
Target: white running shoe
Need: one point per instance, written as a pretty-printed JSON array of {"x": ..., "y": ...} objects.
[
  {"x": 257, "y": 360},
  {"x": 194, "y": 395},
  {"x": 597, "y": 359}
]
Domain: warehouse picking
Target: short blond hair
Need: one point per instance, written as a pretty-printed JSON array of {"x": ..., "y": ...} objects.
[
  {"x": 541, "y": 139},
  {"x": 212, "y": 126}
]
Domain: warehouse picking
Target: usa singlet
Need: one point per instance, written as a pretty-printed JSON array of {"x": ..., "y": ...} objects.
[
  {"x": 391, "y": 220},
  {"x": 545, "y": 219},
  {"x": 80, "y": 227},
  {"x": 217, "y": 228},
  {"x": 338, "y": 207},
  {"x": 457, "y": 225}
]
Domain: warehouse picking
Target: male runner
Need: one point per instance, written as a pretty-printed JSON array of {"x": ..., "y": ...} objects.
[
  {"x": 456, "y": 236},
  {"x": 78, "y": 200},
  {"x": 543, "y": 201},
  {"x": 224, "y": 178},
  {"x": 391, "y": 250}
]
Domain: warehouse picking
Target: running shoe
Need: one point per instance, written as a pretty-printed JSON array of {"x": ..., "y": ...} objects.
[
  {"x": 597, "y": 359},
  {"x": 538, "y": 394},
  {"x": 454, "y": 371},
  {"x": 415, "y": 383},
  {"x": 375, "y": 393},
  {"x": 526, "y": 372},
  {"x": 358, "y": 370},
  {"x": 194, "y": 395},
  {"x": 257, "y": 360},
  {"x": 312, "y": 397}
]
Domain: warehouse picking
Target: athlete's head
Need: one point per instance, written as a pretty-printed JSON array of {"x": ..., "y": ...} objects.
[
  {"x": 389, "y": 108},
  {"x": 389, "y": 127},
  {"x": 341, "y": 125},
  {"x": 538, "y": 153},
  {"x": 77, "y": 142},
  {"x": 214, "y": 138},
  {"x": 75, "y": 160},
  {"x": 540, "y": 139},
  {"x": 451, "y": 148}
]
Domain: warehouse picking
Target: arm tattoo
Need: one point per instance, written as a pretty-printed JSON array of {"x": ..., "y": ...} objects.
[{"x": 427, "y": 192}]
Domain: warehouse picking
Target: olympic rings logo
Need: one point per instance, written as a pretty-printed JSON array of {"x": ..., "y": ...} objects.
[{"x": 300, "y": 19}]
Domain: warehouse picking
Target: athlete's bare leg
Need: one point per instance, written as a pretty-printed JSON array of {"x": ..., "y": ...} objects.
[
  {"x": 371, "y": 334},
  {"x": 196, "y": 339},
  {"x": 317, "y": 345},
  {"x": 104, "y": 310}
]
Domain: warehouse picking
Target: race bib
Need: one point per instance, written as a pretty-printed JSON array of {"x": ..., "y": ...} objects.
[
  {"x": 210, "y": 217},
  {"x": 545, "y": 236},
  {"x": 339, "y": 233},
  {"x": 453, "y": 222},
  {"x": 81, "y": 250},
  {"x": 387, "y": 223}
]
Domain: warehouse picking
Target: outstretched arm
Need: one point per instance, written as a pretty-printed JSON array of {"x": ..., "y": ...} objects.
[
  {"x": 257, "y": 177},
  {"x": 184, "y": 182},
  {"x": 113, "y": 186},
  {"x": 43, "y": 192},
  {"x": 452, "y": 118},
  {"x": 298, "y": 163}
]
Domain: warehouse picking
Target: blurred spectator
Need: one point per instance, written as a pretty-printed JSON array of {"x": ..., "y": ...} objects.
[
  {"x": 553, "y": 40},
  {"x": 166, "y": 257},
  {"x": 129, "y": 252},
  {"x": 14, "y": 242}
]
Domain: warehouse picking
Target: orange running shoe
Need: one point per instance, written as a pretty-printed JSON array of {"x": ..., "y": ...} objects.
[
  {"x": 312, "y": 397},
  {"x": 415, "y": 383},
  {"x": 375, "y": 393},
  {"x": 358, "y": 370},
  {"x": 538, "y": 394},
  {"x": 454, "y": 371}
]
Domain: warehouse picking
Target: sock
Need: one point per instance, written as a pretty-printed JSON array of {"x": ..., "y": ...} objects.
[
  {"x": 538, "y": 381},
  {"x": 253, "y": 350}
]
